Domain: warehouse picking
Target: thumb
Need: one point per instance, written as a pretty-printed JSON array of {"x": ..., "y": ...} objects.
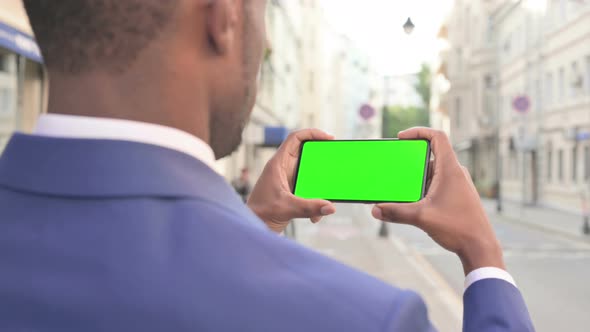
[
  {"x": 310, "y": 208},
  {"x": 403, "y": 213}
]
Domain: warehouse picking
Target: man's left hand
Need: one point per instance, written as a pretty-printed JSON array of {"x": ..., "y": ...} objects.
[{"x": 272, "y": 199}]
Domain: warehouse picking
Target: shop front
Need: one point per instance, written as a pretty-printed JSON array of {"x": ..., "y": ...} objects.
[{"x": 22, "y": 82}]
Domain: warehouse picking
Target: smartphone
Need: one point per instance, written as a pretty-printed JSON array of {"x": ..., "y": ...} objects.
[{"x": 363, "y": 171}]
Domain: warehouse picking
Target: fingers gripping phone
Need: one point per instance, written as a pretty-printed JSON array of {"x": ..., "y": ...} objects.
[{"x": 363, "y": 171}]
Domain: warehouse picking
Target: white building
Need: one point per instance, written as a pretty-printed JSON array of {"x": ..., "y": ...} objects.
[
  {"x": 22, "y": 78},
  {"x": 544, "y": 56},
  {"x": 279, "y": 102},
  {"x": 471, "y": 67},
  {"x": 338, "y": 80},
  {"x": 350, "y": 83},
  {"x": 439, "y": 101},
  {"x": 312, "y": 77},
  {"x": 373, "y": 128},
  {"x": 312, "y": 63},
  {"x": 520, "y": 76}
]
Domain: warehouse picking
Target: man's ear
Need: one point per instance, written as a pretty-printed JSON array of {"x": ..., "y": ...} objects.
[{"x": 221, "y": 24}]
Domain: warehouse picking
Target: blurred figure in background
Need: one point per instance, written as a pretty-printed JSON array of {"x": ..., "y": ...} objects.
[{"x": 242, "y": 184}]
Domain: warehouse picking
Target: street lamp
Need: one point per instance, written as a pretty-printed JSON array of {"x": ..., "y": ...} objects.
[{"x": 409, "y": 26}]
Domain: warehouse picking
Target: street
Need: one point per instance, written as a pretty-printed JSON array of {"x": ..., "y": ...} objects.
[{"x": 552, "y": 271}]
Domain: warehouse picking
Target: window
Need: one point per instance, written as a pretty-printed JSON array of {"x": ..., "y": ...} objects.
[
  {"x": 574, "y": 163},
  {"x": 507, "y": 45},
  {"x": 7, "y": 100},
  {"x": 488, "y": 107},
  {"x": 538, "y": 96},
  {"x": 518, "y": 40},
  {"x": 517, "y": 161},
  {"x": 502, "y": 110},
  {"x": 560, "y": 165},
  {"x": 513, "y": 114},
  {"x": 506, "y": 166},
  {"x": 5, "y": 63},
  {"x": 561, "y": 85},
  {"x": 490, "y": 30},
  {"x": 549, "y": 88},
  {"x": 458, "y": 112},
  {"x": 459, "y": 60},
  {"x": 513, "y": 165},
  {"x": 529, "y": 37},
  {"x": 467, "y": 29},
  {"x": 574, "y": 81},
  {"x": 549, "y": 165},
  {"x": 488, "y": 81},
  {"x": 587, "y": 163},
  {"x": 476, "y": 93}
]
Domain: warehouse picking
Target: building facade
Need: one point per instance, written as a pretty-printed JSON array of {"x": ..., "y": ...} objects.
[
  {"x": 440, "y": 85},
  {"x": 22, "y": 77},
  {"x": 311, "y": 77},
  {"x": 278, "y": 103},
  {"x": 519, "y": 101},
  {"x": 471, "y": 68},
  {"x": 544, "y": 58},
  {"x": 349, "y": 84}
]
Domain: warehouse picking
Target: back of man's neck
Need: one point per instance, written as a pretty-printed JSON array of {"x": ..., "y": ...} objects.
[{"x": 156, "y": 103}]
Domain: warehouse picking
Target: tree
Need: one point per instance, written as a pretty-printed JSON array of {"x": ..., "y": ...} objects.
[
  {"x": 397, "y": 118},
  {"x": 424, "y": 84}
]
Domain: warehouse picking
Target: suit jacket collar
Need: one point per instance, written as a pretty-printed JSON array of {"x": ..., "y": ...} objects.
[
  {"x": 87, "y": 127},
  {"x": 109, "y": 169}
]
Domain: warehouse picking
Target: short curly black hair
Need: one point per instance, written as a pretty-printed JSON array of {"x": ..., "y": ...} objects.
[{"x": 78, "y": 36}]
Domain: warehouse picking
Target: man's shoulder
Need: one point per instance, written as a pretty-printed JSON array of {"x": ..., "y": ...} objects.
[
  {"x": 310, "y": 279},
  {"x": 280, "y": 277},
  {"x": 200, "y": 258}
]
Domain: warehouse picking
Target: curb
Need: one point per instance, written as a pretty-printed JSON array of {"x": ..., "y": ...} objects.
[{"x": 553, "y": 230}]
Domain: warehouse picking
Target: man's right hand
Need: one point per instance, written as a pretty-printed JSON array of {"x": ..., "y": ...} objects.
[{"x": 451, "y": 213}]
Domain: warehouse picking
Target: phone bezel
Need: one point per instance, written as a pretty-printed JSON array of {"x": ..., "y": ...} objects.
[{"x": 424, "y": 176}]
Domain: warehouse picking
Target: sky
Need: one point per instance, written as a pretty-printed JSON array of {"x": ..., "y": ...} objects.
[{"x": 376, "y": 27}]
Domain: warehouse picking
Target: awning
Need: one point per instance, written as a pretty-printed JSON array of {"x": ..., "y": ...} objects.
[
  {"x": 583, "y": 136},
  {"x": 274, "y": 136},
  {"x": 19, "y": 43}
]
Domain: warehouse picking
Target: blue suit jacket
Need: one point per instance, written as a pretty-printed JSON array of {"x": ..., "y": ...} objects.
[{"x": 99, "y": 235}]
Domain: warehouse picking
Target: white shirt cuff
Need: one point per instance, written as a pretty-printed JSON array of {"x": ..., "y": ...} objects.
[{"x": 487, "y": 273}]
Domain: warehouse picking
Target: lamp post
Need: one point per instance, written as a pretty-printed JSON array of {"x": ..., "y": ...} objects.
[{"x": 408, "y": 28}]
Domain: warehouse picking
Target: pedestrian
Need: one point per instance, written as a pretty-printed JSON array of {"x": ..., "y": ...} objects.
[
  {"x": 114, "y": 218},
  {"x": 241, "y": 184}
]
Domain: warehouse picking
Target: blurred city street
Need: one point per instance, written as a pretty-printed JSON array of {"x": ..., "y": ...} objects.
[
  {"x": 551, "y": 269},
  {"x": 350, "y": 236},
  {"x": 507, "y": 81}
]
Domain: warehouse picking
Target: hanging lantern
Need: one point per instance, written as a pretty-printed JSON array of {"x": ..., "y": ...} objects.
[{"x": 409, "y": 26}]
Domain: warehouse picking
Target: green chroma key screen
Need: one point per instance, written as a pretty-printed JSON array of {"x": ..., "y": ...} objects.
[{"x": 363, "y": 170}]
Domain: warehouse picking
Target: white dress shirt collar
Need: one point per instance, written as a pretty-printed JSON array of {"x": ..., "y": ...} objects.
[{"x": 83, "y": 127}]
